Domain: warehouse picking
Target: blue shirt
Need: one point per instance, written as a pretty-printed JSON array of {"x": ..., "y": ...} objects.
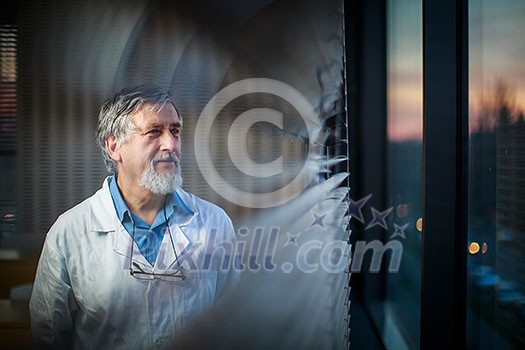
[{"x": 148, "y": 238}]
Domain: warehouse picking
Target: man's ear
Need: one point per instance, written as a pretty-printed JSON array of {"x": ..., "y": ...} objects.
[{"x": 113, "y": 148}]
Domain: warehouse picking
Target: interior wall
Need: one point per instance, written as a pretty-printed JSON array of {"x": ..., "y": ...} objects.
[{"x": 74, "y": 54}]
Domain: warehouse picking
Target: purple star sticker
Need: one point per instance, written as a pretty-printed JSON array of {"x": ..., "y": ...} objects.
[
  {"x": 318, "y": 220},
  {"x": 379, "y": 218},
  {"x": 399, "y": 231},
  {"x": 292, "y": 239},
  {"x": 354, "y": 208}
]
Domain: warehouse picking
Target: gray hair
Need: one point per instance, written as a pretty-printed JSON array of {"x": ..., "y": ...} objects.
[{"x": 115, "y": 116}]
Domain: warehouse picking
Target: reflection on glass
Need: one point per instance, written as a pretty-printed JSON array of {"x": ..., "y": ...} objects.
[
  {"x": 496, "y": 272},
  {"x": 473, "y": 248},
  {"x": 404, "y": 169}
]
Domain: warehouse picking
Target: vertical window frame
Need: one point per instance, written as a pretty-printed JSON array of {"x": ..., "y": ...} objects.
[{"x": 445, "y": 159}]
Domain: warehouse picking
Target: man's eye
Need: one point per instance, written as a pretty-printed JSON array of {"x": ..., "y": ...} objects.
[
  {"x": 175, "y": 131},
  {"x": 154, "y": 132}
]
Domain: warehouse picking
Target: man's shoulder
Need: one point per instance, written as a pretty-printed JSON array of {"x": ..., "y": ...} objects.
[
  {"x": 200, "y": 205},
  {"x": 77, "y": 217},
  {"x": 79, "y": 211}
]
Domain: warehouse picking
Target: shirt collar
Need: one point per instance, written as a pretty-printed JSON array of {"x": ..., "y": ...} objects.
[
  {"x": 118, "y": 201},
  {"x": 173, "y": 202}
]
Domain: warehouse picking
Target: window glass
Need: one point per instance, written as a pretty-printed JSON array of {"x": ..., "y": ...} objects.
[
  {"x": 496, "y": 220},
  {"x": 404, "y": 170}
]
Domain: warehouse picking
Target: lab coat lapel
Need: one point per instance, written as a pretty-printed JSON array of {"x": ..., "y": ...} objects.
[
  {"x": 104, "y": 220},
  {"x": 167, "y": 257},
  {"x": 122, "y": 245}
]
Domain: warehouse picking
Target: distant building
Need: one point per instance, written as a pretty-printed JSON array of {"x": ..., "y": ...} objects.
[{"x": 510, "y": 199}]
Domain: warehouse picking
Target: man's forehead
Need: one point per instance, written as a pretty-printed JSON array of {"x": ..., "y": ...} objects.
[{"x": 149, "y": 114}]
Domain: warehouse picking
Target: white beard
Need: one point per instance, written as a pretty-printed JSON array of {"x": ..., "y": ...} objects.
[{"x": 161, "y": 183}]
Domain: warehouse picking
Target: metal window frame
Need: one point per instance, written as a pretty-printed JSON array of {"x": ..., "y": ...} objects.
[
  {"x": 445, "y": 157},
  {"x": 367, "y": 72},
  {"x": 445, "y": 151}
]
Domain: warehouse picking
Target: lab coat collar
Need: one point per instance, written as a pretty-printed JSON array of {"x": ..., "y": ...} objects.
[{"x": 104, "y": 220}]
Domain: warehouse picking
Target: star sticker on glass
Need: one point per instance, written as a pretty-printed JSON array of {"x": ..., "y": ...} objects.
[
  {"x": 354, "y": 208},
  {"x": 292, "y": 239},
  {"x": 399, "y": 231},
  {"x": 318, "y": 220},
  {"x": 379, "y": 218}
]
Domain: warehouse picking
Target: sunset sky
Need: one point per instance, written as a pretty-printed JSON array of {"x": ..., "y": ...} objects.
[{"x": 496, "y": 55}]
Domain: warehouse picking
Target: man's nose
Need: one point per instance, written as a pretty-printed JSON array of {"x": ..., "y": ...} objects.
[{"x": 170, "y": 142}]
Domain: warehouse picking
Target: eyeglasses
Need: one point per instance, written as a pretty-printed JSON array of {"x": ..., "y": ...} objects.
[{"x": 139, "y": 273}]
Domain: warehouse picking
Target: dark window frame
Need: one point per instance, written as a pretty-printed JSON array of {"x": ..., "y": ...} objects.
[
  {"x": 445, "y": 152},
  {"x": 445, "y": 162},
  {"x": 367, "y": 73}
]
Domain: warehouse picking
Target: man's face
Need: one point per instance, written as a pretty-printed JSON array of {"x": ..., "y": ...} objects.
[{"x": 150, "y": 148}]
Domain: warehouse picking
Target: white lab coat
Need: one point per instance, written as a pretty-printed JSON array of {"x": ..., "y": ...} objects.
[{"x": 85, "y": 297}]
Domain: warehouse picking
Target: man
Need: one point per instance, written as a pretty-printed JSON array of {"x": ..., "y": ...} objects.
[{"x": 130, "y": 267}]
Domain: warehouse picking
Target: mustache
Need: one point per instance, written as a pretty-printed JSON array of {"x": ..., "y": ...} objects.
[{"x": 166, "y": 157}]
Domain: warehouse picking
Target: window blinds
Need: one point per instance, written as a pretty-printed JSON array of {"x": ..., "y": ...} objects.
[{"x": 8, "y": 77}]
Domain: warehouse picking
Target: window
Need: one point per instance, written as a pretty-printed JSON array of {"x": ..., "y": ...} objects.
[
  {"x": 404, "y": 177},
  {"x": 496, "y": 235}
]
